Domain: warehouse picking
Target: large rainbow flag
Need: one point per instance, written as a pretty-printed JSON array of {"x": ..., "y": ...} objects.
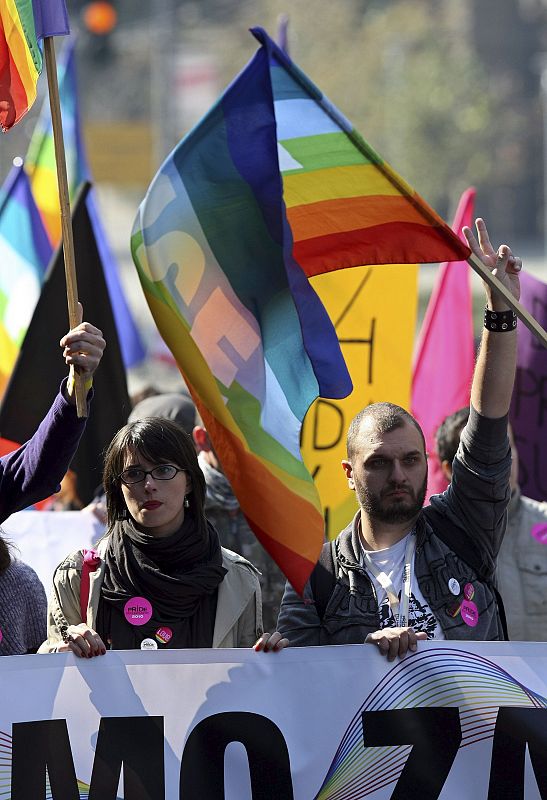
[
  {"x": 22, "y": 24},
  {"x": 272, "y": 186},
  {"x": 24, "y": 255}
]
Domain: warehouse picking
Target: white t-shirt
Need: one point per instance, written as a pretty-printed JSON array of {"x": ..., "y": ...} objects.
[{"x": 391, "y": 562}]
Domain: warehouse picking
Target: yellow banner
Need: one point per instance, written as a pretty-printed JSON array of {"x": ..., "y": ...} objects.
[{"x": 374, "y": 312}]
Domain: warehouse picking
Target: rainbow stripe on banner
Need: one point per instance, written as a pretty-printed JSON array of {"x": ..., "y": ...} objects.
[
  {"x": 443, "y": 677},
  {"x": 272, "y": 186},
  {"x": 22, "y": 24}
]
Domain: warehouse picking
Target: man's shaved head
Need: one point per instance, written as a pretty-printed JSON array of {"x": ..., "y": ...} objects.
[{"x": 380, "y": 417}]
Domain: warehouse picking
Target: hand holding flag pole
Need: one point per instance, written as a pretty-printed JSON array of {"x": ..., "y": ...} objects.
[
  {"x": 64, "y": 202},
  {"x": 532, "y": 324}
]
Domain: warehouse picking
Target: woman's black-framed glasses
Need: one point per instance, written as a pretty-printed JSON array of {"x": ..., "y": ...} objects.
[{"x": 163, "y": 472}]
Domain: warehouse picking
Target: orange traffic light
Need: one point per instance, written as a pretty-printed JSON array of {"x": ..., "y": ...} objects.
[{"x": 100, "y": 17}]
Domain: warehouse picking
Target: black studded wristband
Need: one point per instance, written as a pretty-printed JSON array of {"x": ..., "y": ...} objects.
[{"x": 499, "y": 321}]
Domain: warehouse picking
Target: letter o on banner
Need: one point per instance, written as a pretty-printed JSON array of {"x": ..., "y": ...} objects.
[{"x": 202, "y": 767}]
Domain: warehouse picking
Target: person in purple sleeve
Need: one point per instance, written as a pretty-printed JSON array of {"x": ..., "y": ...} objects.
[{"x": 30, "y": 474}]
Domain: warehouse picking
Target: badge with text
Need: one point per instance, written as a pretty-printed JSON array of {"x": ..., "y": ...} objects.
[
  {"x": 539, "y": 532},
  {"x": 454, "y": 586},
  {"x": 149, "y": 644},
  {"x": 137, "y": 611},
  {"x": 470, "y": 613},
  {"x": 164, "y": 634}
]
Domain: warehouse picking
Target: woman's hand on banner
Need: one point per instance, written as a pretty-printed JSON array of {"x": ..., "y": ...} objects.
[{"x": 83, "y": 641}]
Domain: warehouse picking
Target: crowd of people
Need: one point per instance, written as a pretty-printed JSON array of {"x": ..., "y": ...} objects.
[{"x": 178, "y": 566}]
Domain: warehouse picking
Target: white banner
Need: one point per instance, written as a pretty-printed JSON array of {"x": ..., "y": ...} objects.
[{"x": 452, "y": 721}]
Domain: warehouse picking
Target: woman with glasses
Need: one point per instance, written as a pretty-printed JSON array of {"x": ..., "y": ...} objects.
[{"x": 160, "y": 578}]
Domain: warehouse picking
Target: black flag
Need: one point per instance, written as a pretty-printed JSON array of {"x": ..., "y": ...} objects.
[{"x": 40, "y": 367}]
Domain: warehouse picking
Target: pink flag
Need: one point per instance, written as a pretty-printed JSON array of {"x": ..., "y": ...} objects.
[{"x": 444, "y": 358}]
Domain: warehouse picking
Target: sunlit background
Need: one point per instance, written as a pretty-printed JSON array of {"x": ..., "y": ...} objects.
[{"x": 450, "y": 93}]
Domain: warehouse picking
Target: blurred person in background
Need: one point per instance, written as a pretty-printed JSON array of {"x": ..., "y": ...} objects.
[
  {"x": 222, "y": 508},
  {"x": 522, "y": 559}
]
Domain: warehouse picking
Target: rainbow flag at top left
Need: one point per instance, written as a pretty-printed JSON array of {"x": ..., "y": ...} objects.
[{"x": 23, "y": 23}]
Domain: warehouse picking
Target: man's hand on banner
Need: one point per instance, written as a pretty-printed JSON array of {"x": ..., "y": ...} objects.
[
  {"x": 271, "y": 643},
  {"x": 393, "y": 642}
]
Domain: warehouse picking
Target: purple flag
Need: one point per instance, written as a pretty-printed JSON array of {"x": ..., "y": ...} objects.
[
  {"x": 50, "y": 18},
  {"x": 529, "y": 406}
]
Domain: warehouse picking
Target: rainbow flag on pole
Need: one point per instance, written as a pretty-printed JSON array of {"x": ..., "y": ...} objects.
[
  {"x": 42, "y": 170},
  {"x": 272, "y": 186},
  {"x": 22, "y": 24},
  {"x": 40, "y": 159}
]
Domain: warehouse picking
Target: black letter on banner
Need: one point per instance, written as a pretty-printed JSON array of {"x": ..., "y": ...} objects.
[
  {"x": 516, "y": 727},
  {"x": 202, "y": 767},
  {"x": 436, "y": 735},
  {"x": 316, "y": 426},
  {"x": 37, "y": 745},
  {"x": 370, "y": 343},
  {"x": 137, "y": 743}
]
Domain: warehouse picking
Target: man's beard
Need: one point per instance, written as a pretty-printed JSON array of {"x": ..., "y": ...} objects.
[{"x": 399, "y": 510}]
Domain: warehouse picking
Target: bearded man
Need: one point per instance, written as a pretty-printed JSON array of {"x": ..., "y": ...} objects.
[{"x": 400, "y": 573}]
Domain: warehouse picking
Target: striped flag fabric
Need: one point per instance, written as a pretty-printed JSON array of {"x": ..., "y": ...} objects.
[
  {"x": 22, "y": 24},
  {"x": 271, "y": 187},
  {"x": 40, "y": 159},
  {"x": 41, "y": 168},
  {"x": 25, "y": 252},
  {"x": 345, "y": 205},
  {"x": 40, "y": 367}
]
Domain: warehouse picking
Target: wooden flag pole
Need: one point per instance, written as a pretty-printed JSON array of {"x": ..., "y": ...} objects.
[
  {"x": 64, "y": 202},
  {"x": 532, "y": 324}
]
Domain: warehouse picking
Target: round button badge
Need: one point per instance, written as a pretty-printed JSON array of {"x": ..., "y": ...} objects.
[
  {"x": 470, "y": 613},
  {"x": 149, "y": 644},
  {"x": 164, "y": 634},
  {"x": 137, "y": 611},
  {"x": 469, "y": 591},
  {"x": 454, "y": 586}
]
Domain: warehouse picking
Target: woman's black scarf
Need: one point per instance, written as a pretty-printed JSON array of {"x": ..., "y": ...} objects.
[{"x": 178, "y": 574}]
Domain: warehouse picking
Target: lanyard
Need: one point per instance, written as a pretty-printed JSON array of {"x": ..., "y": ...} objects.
[{"x": 399, "y": 611}]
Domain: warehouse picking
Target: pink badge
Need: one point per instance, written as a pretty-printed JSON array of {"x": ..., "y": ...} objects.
[
  {"x": 469, "y": 591},
  {"x": 137, "y": 611},
  {"x": 470, "y": 614},
  {"x": 539, "y": 532},
  {"x": 164, "y": 634}
]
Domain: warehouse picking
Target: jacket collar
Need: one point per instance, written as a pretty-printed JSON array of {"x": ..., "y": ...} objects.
[{"x": 348, "y": 544}]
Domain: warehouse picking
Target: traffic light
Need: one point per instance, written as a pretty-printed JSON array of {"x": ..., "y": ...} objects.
[{"x": 99, "y": 18}]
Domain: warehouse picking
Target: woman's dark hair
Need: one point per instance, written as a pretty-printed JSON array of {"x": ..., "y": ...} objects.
[{"x": 159, "y": 441}]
